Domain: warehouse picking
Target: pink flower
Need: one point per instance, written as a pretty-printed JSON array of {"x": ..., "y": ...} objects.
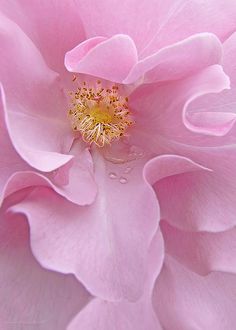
[{"x": 146, "y": 134}]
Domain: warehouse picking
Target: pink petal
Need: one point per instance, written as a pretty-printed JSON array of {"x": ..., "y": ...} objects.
[
  {"x": 81, "y": 192},
  {"x": 161, "y": 111},
  {"x": 216, "y": 123},
  {"x": 178, "y": 60},
  {"x": 76, "y": 55},
  {"x": 104, "y": 315},
  {"x": 110, "y": 59},
  {"x": 210, "y": 123},
  {"x": 74, "y": 180},
  {"x": 10, "y": 160},
  {"x": 52, "y": 36},
  {"x": 155, "y": 24},
  {"x": 184, "y": 300},
  {"x": 138, "y": 19},
  {"x": 165, "y": 166},
  {"x": 185, "y": 18},
  {"x": 191, "y": 195},
  {"x": 35, "y": 107},
  {"x": 32, "y": 297},
  {"x": 202, "y": 252},
  {"x": 224, "y": 103},
  {"x": 205, "y": 201},
  {"x": 229, "y": 48},
  {"x": 110, "y": 238}
]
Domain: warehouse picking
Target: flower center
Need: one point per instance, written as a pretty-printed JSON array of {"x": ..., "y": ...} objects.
[{"x": 101, "y": 115}]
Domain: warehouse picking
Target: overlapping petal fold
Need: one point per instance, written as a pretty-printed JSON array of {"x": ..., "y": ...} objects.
[
  {"x": 35, "y": 105},
  {"x": 165, "y": 166},
  {"x": 32, "y": 297},
  {"x": 74, "y": 180},
  {"x": 178, "y": 60},
  {"x": 162, "y": 111},
  {"x": 10, "y": 160},
  {"x": 186, "y": 18},
  {"x": 104, "y": 315},
  {"x": 205, "y": 200},
  {"x": 156, "y": 24},
  {"x": 100, "y": 56},
  {"x": 220, "y": 104},
  {"x": 92, "y": 255},
  {"x": 184, "y": 300},
  {"x": 53, "y": 26},
  {"x": 109, "y": 238},
  {"x": 202, "y": 252}
]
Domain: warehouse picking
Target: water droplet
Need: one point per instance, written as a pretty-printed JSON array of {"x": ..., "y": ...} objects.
[
  {"x": 123, "y": 180},
  {"x": 135, "y": 153},
  {"x": 128, "y": 170},
  {"x": 112, "y": 175}
]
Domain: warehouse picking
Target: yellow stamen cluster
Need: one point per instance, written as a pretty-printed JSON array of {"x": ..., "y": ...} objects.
[{"x": 100, "y": 114}]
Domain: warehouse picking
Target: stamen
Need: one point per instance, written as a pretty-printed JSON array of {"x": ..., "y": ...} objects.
[{"x": 100, "y": 115}]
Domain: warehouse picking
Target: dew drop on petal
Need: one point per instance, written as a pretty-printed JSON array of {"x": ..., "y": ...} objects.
[
  {"x": 123, "y": 180},
  {"x": 112, "y": 175},
  {"x": 135, "y": 153},
  {"x": 128, "y": 170}
]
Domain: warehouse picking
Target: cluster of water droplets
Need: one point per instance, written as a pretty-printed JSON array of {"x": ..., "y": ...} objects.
[
  {"x": 122, "y": 179},
  {"x": 135, "y": 153}
]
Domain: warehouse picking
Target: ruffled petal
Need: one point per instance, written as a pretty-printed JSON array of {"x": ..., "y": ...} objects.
[
  {"x": 221, "y": 104},
  {"x": 54, "y": 26},
  {"x": 107, "y": 58},
  {"x": 75, "y": 180},
  {"x": 165, "y": 166},
  {"x": 156, "y": 24},
  {"x": 10, "y": 162},
  {"x": 104, "y": 315},
  {"x": 178, "y": 60},
  {"x": 161, "y": 112},
  {"x": 107, "y": 19},
  {"x": 185, "y": 18},
  {"x": 32, "y": 297},
  {"x": 110, "y": 238},
  {"x": 201, "y": 200},
  {"x": 184, "y": 300},
  {"x": 35, "y": 106},
  {"x": 202, "y": 252}
]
